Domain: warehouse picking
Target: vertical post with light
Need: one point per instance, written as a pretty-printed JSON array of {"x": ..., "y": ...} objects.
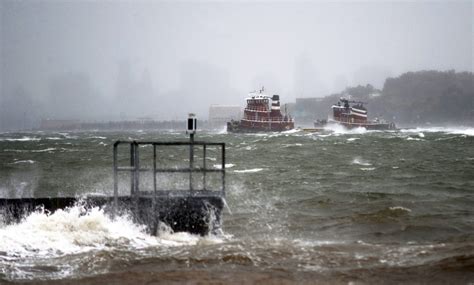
[{"x": 191, "y": 130}]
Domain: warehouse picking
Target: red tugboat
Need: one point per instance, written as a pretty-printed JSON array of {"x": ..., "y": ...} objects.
[
  {"x": 352, "y": 114},
  {"x": 261, "y": 116}
]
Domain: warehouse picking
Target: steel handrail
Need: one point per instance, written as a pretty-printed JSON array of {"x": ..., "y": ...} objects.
[{"x": 135, "y": 168}]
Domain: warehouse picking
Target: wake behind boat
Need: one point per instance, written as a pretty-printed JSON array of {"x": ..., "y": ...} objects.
[
  {"x": 352, "y": 114},
  {"x": 261, "y": 116}
]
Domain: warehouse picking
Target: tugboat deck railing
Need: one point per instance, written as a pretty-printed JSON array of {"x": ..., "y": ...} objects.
[{"x": 263, "y": 119}]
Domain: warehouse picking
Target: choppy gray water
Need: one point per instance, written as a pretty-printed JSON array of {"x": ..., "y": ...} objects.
[{"x": 337, "y": 206}]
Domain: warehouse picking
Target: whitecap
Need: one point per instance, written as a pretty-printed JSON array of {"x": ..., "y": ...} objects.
[
  {"x": 259, "y": 135},
  {"x": 222, "y": 131},
  {"x": 352, "y": 139},
  {"x": 468, "y": 131},
  {"x": 67, "y": 136},
  {"x": 413, "y": 139},
  {"x": 95, "y": 194},
  {"x": 360, "y": 161},
  {"x": 22, "y": 139},
  {"x": 314, "y": 243},
  {"x": 68, "y": 150},
  {"x": 293, "y": 131},
  {"x": 367, "y": 168},
  {"x": 68, "y": 231},
  {"x": 292, "y": 144},
  {"x": 75, "y": 230},
  {"x": 400, "y": 208},
  {"x": 249, "y": 170},
  {"x": 34, "y": 150},
  {"x": 227, "y": 165},
  {"x": 323, "y": 136},
  {"x": 24, "y": 161},
  {"x": 44, "y": 150},
  {"x": 339, "y": 129}
]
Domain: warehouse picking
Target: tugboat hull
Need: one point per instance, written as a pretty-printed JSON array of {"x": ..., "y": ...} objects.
[
  {"x": 367, "y": 126},
  {"x": 255, "y": 127}
]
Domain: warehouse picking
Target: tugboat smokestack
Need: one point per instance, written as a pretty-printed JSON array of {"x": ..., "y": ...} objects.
[{"x": 275, "y": 102}]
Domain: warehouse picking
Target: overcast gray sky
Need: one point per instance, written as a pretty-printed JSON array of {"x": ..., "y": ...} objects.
[{"x": 164, "y": 59}]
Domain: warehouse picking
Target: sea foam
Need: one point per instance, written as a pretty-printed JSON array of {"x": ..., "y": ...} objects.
[
  {"x": 249, "y": 170},
  {"x": 227, "y": 165},
  {"x": 22, "y": 139},
  {"x": 338, "y": 129},
  {"x": 29, "y": 161},
  {"x": 468, "y": 131},
  {"x": 75, "y": 230},
  {"x": 360, "y": 161}
]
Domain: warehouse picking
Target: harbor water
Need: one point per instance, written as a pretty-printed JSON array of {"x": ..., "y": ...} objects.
[{"x": 336, "y": 206}]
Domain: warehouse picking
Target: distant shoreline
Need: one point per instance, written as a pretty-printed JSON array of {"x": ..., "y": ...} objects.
[
  {"x": 204, "y": 125},
  {"x": 71, "y": 125}
]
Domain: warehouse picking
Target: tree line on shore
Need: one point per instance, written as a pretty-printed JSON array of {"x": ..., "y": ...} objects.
[{"x": 423, "y": 97}]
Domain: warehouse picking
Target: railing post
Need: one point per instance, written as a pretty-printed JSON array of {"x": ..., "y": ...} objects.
[
  {"x": 154, "y": 172},
  {"x": 204, "y": 167},
  {"x": 191, "y": 161},
  {"x": 136, "y": 197},
  {"x": 154, "y": 202},
  {"x": 137, "y": 168},
  {"x": 223, "y": 170},
  {"x": 132, "y": 166},
  {"x": 115, "y": 208},
  {"x": 136, "y": 176}
]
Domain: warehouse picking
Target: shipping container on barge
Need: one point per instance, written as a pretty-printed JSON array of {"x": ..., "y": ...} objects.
[
  {"x": 261, "y": 115},
  {"x": 352, "y": 114}
]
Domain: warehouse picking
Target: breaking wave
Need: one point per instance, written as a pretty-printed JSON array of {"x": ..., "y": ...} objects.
[
  {"x": 75, "y": 230},
  {"x": 367, "y": 168},
  {"x": 76, "y": 241},
  {"x": 22, "y": 139},
  {"x": 468, "y": 131},
  {"x": 223, "y": 131},
  {"x": 50, "y": 149},
  {"x": 29, "y": 161},
  {"x": 227, "y": 165},
  {"x": 339, "y": 129},
  {"x": 293, "y": 131},
  {"x": 414, "y": 139},
  {"x": 361, "y": 161},
  {"x": 249, "y": 170}
]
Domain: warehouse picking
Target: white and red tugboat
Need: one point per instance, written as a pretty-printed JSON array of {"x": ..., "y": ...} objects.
[
  {"x": 262, "y": 114},
  {"x": 352, "y": 114}
]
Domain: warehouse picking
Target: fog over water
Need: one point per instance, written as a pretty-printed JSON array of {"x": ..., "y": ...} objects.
[{"x": 101, "y": 60}]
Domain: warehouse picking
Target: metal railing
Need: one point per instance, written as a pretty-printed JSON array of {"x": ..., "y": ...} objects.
[
  {"x": 135, "y": 169},
  {"x": 268, "y": 119}
]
